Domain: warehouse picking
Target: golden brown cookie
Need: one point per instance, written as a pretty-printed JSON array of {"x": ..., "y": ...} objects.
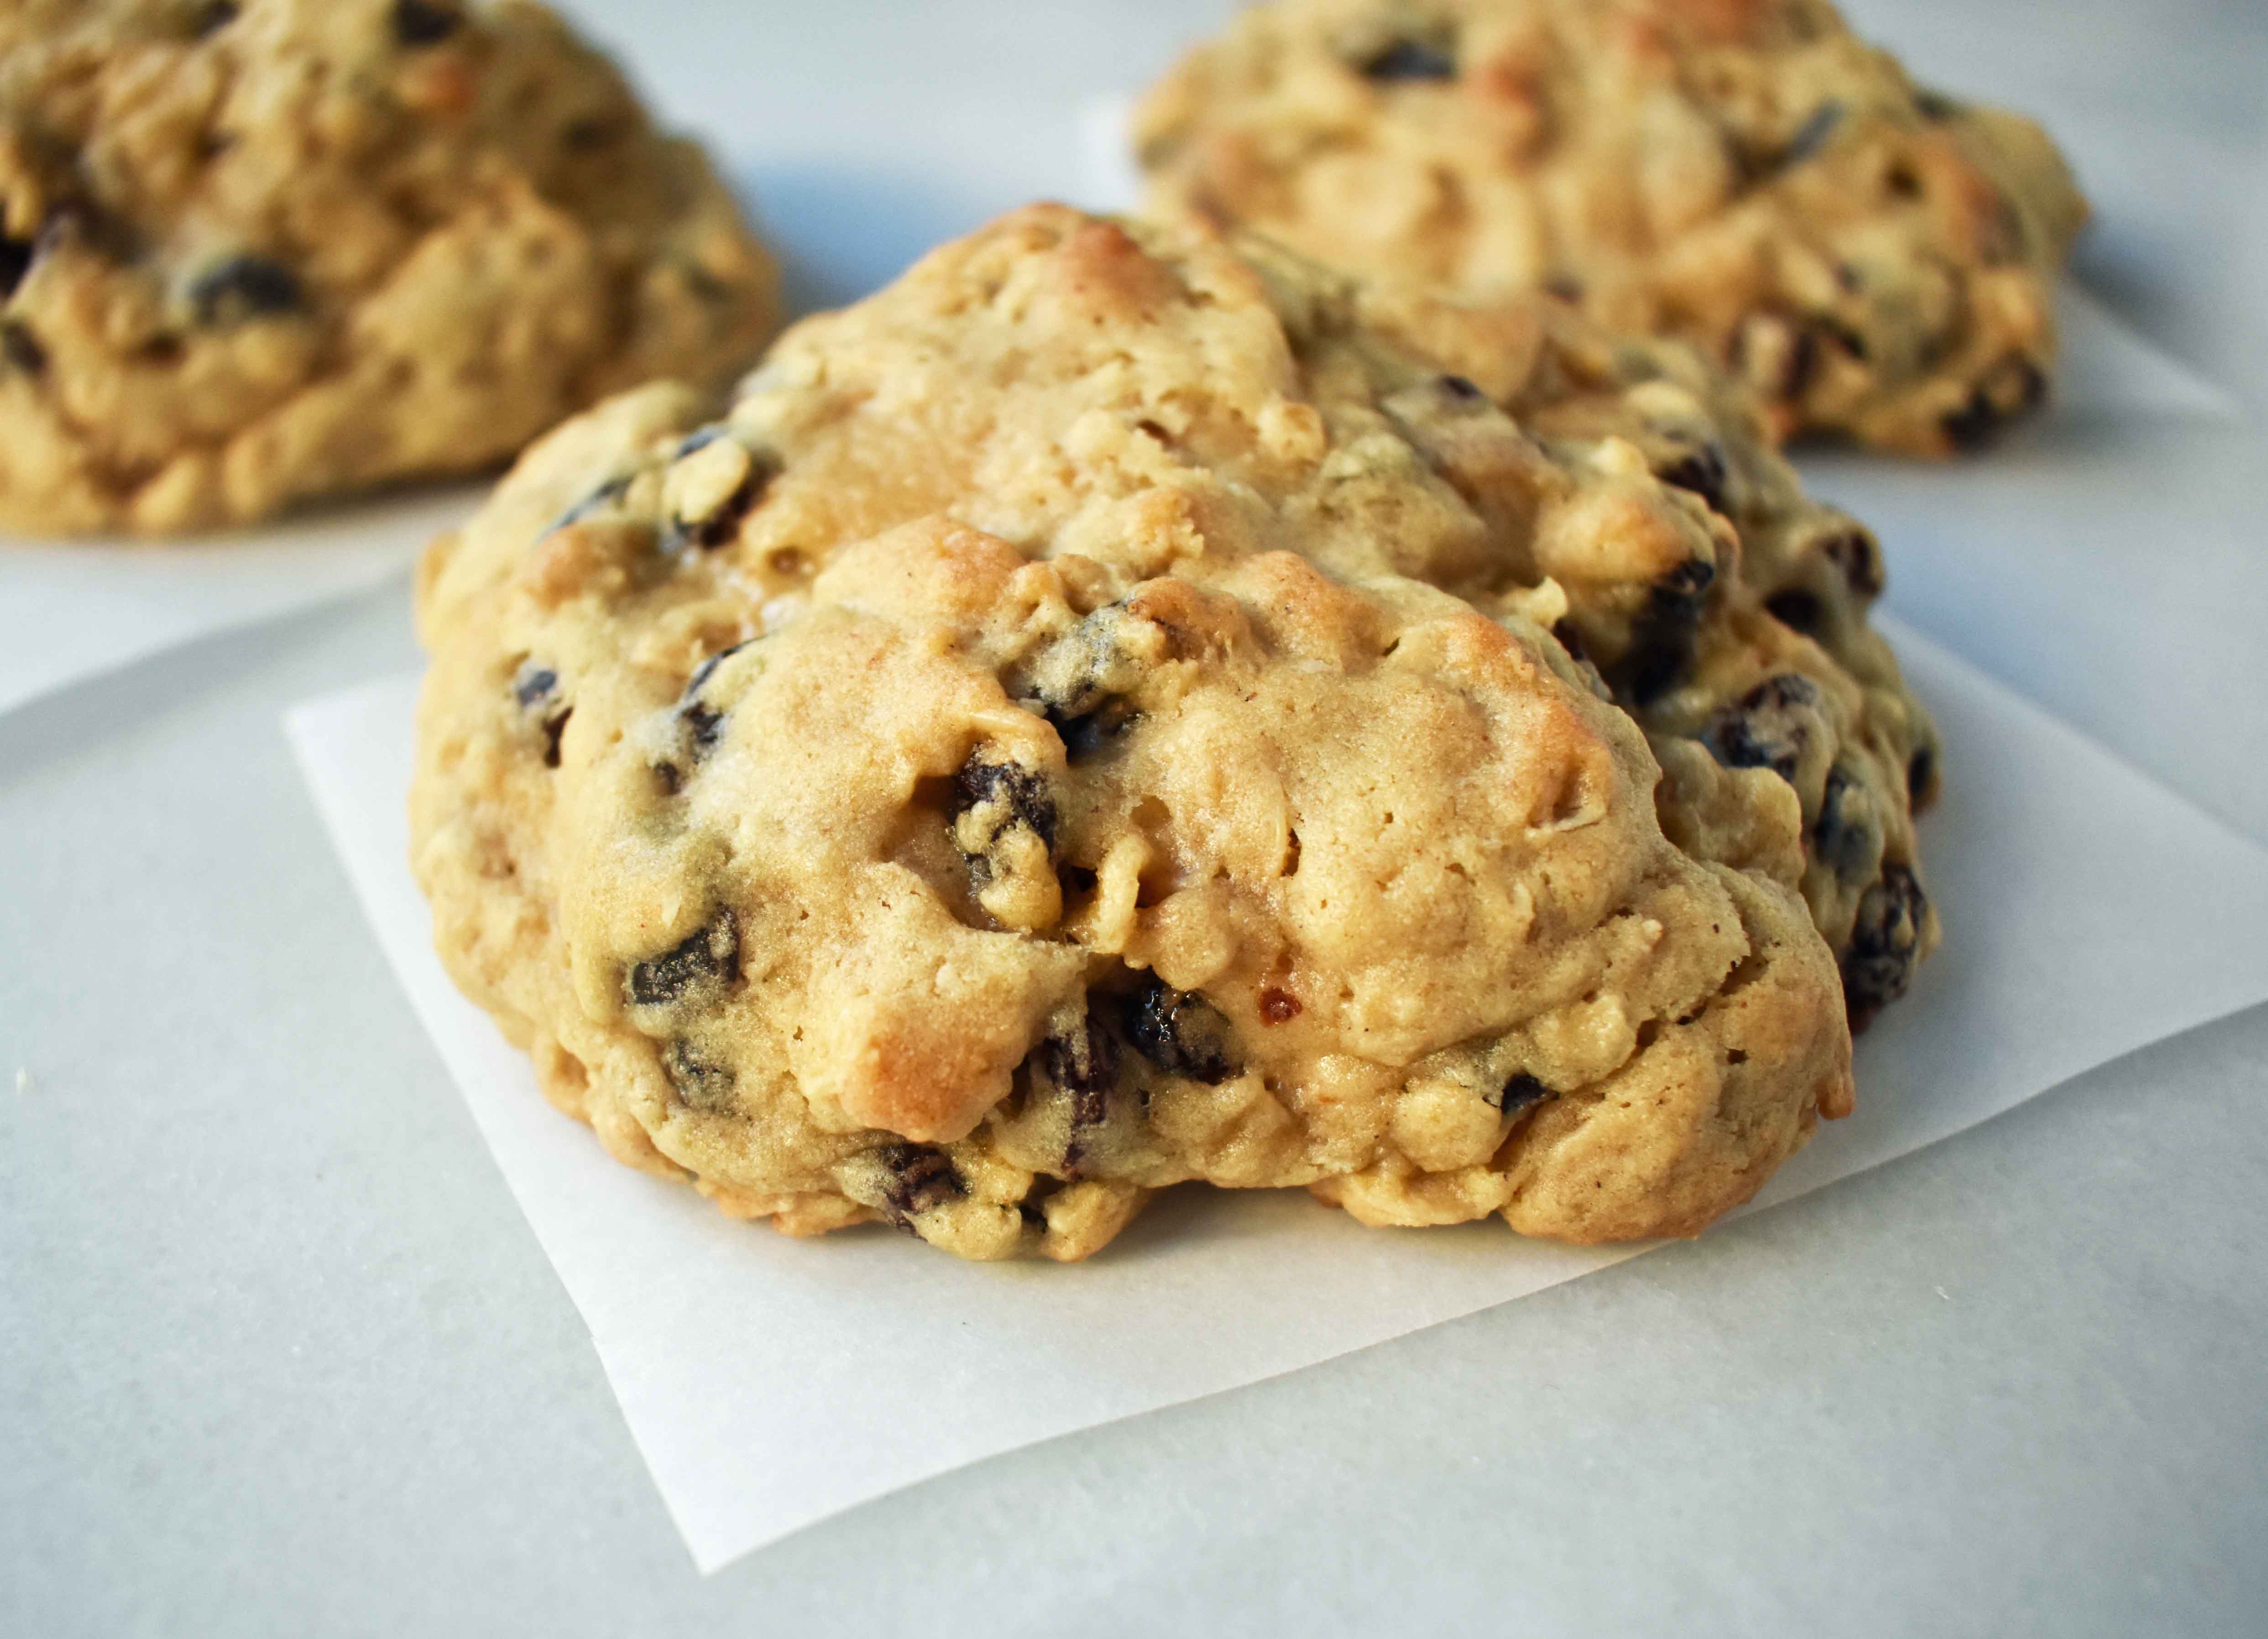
[
  {"x": 1874, "y": 259},
  {"x": 256, "y": 252},
  {"x": 1120, "y": 708}
]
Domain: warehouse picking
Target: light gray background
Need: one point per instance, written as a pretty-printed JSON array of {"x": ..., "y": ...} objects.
[{"x": 277, "y": 1354}]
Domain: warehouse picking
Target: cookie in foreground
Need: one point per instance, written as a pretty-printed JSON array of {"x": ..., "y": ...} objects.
[
  {"x": 1114, "y": 709},
  {"x": 259, "y": 251},
  {"x": 1875, "y": 260}
]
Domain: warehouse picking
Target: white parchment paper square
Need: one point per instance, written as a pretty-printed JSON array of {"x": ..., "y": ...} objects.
[
  {"x": 770, "y": 1383},
  {"x": 73, "y": 610}
]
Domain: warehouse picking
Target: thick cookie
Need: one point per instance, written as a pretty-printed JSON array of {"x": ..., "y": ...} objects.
[
  {"x": 1090, "y": 718},
  {"x": 1874, "y": 259},
  {"x": 254, "y": 251}
]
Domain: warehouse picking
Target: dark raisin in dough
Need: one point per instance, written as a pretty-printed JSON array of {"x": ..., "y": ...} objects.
[
  {"x": 1411, "y": 60},
  {"x": 21, "y": 349},
  {"x": 1772, "y": 727},
  {"x": 1180, "y": 1033},
  {"x": 555, "y": 730},
  {"x": 2014, "y": 390},
  {"x": 15, "y": 262},
  {"x": 1084, "y": 1065},
  {"x": 534, "y": 684},
  {"x": 707, "y": 670},
  {"x": 419, "y": 23},
  {"x": 1848, "y": 835},
  {"x": 1702, "y": 471},
  {"x": 700, "y": 1084},
  {"x": 1921, "y": 776},
  {"x": 1019, "y": 797},
  {"x": 1662, "y": 644},
  {"x": 719, "y": 528},
  {"x": 710, "y": 955},
  {"x": 1520, "y": 1095},
  {"x": 1812, "y": 134},
  {"x": 920, "y": 1179},
  {"x": 1855, "y": 553},
  {"x": 1799, "y": 609},
  {"x": 243, "y": 289},
  {"x": 1885, "y": 944}
]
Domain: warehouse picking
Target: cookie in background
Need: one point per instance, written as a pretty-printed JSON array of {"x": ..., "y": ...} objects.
[
  {"x": 1876, "y": 261},
  {"x": 255, "y": 253}
]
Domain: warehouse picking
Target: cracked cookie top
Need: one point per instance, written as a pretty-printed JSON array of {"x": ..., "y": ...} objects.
[
  {"x": 1874, "y": 259},
  {"x": 258, "y": 251},
  {"x": 1122, "y": 707}
]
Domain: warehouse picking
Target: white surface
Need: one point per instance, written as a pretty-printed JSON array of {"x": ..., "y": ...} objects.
[
  {"x": 771, "y": 1383},
  {"x": 69, "y": 610},
  {"x": 280, "y": 1358}
]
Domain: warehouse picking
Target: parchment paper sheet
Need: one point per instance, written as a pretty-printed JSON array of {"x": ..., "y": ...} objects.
[{"x": 770, "y": 1383}]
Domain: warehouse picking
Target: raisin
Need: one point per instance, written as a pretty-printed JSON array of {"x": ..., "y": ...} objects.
[
  {"x": 1847, "y": 835},
  {"x": 2015, "y": 389},
  {"x": 1661, "y": 642},
  {"x": 1885, "y": 945},
  {"x": 1087, "y": 735},
  {"x": 245, "y": 288},
  {"x": 592, "y": 505},
  {"x": 1521, "y": 1093},
  {"x": 719, "y": 528},
  {"x": 539, "y": 685},
  {"x": 1180, "y": 1032},
  {"x": 708, "y": 954},
  {"x": 1411, "y": 60},
  {"x": 419, "y": 23},
  {"x": 1798, "y": 610},
  {"x": 555, "y": 729},
  {"x": 214, "y": 16},
  {"x": 15, "y": 262},
  {"x": 588, "y": 136},
  {"x": 1702, "y": 471},
  {"x": 1854, "y": 553},
  {"x": 1017, "y": 796},
  {"x": 534, "y": 684},
  {"x": 1841, "y": 334},
  {"x": 701, "y": 1083},
  {"x": 707, "y": 670},
  {"x": 700, "y": 726},
  {"x": 21, "y": 349},
  {"x": 1777, "y": 355},
  {"x": 1079, "y": 683},
  {"x": 920, "y": 1180},
  {"x": 1772, "y": 727},
  {"x": 1812, "y": 134},
  {"x": 703, "y": 728},
  {"x": 1921, "y": 777},
  {"x": 1084, "y": 1065}
]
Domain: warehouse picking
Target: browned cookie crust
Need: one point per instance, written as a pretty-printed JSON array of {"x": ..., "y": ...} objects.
[
  {"x": 1090, "y": 718},
  {"x": 1874, "y": 259},
  {"x": 254, "y": 251}
]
